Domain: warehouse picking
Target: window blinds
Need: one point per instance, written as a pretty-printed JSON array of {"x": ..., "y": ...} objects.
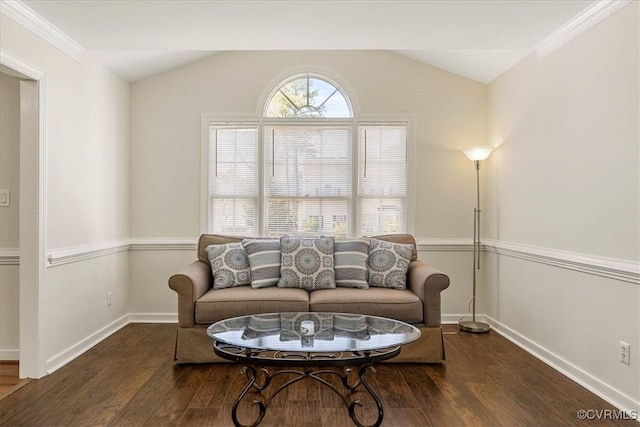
[
  {"x": 307, "y": 179},
  {"x": 233, "y": 179},
  {"x": 382, "y": 178}
]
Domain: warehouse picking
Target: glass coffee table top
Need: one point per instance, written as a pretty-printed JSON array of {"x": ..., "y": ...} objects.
[{"x": 313, "y": 332}]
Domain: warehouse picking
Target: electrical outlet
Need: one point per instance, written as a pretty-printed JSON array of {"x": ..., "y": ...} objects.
[
  {"x": 624, "y": 353},
  {"x": 109, "y": 298}
]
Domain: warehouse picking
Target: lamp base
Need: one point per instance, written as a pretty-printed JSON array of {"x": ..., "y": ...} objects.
[{"x": 473, "y": 326}]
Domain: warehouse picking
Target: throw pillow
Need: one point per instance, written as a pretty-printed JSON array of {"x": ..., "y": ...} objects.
[
  {"x": 388, "y": 264},
  {"x": 307, "y": 263},
  {"x": 264, "y": 261},
  {"x": 229, "y": 265},
  {"x": 350, "y": 263}
]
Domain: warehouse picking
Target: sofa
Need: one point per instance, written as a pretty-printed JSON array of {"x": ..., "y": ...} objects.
[{"x": 200, "y": 304}]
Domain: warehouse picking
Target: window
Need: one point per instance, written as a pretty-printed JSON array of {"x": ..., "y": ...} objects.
[
  {"x": 308, "y": 96},
  {"x": 233, "y": 195},
  {"x": 307, "y": 177},
  {"x": 307, "y": 166}
]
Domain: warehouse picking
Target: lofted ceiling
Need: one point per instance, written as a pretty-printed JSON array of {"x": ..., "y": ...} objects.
[{"x": 474, "y": 38}]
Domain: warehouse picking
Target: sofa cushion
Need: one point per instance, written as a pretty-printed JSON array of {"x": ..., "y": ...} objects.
[
  {"x": 219, "y": 304},
  {"x": 388, "y": 264},
  {"x": 307, "y": 263},
  {"x": 350, "y": 263},
  {"x": 229, "y": 265},
  {"x": 264, "y": 260},
  {"x": 393, "y": 303}
]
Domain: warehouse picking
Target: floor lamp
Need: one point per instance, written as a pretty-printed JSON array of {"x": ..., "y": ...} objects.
[{"x": 477, "y": 154}]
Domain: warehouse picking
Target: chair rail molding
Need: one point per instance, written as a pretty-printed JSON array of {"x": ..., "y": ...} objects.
[
  {"x": 9, "y": 256},
  {"x": 71, "y": 254},
  {"x": 442, "y": 244},
  {"x": 618, "y": 269},
  {"x": 25, "y": 16},
  {"x": 164, "y": 244},
  {"x": 83, "y": 252}
]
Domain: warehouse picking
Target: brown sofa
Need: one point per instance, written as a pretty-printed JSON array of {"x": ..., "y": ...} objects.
[{"x": 199, "y": 305}]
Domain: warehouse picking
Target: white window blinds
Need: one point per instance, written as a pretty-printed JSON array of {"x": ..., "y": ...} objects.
[
  {"x": 382, "y": 179},
  {"x": 307, "y": 179},
  {"x": 233, "y": 179}
]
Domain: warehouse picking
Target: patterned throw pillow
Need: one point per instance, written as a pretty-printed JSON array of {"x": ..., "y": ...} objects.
[
  {"x": 264, "y": 260},
  {"x": 388, "y": 264},
  {"x": 229, "y": 265},
  {"x": 350, "y": 263},
  {"x": 307, "y": 263}
]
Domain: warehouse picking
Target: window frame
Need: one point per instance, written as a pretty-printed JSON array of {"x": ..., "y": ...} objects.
[{"x": 357, "y": 120}]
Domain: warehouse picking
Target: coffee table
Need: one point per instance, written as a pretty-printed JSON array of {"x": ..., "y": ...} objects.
[{"x": 310, "y": 345}]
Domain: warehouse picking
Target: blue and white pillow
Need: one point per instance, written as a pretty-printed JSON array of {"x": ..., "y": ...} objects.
[
  {"x": 229, "y": 265},
  {"x": 388, "y": 264}
]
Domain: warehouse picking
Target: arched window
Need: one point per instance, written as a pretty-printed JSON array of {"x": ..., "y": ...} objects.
[
  {"x": 308, "y": 96},
  {"x": 307, "y": 165}
]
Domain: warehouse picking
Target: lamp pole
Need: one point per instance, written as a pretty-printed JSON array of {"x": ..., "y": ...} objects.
[{"x": 476, "y": 155}]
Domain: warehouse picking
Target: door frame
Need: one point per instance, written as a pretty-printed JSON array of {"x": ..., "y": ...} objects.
[{"x": 33, "y": 233}]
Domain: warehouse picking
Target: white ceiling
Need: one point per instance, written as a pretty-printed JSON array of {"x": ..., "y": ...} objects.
[{"x": 475, "y": 38}]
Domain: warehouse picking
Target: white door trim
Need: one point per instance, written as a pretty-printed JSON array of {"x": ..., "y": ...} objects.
[{"x": 33, "y": 156}]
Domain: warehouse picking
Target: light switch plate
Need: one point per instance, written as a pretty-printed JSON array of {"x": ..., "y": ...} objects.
[{"x": 5, "y": 198}]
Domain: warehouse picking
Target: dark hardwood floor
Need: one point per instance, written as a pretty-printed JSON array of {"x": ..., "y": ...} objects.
[
  {"x": 130, "y": 380},
  {"x": 9, "y": 377}
]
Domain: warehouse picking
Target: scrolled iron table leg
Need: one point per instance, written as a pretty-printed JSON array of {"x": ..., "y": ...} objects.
[
  {"x": 363, "y": 381},
  {"x": 252, "y": 375}
]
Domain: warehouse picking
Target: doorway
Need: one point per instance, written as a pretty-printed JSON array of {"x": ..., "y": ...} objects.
[{"x": 31, "y": 213}]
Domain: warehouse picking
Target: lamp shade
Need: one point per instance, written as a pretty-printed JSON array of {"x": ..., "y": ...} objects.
[{"x": 478, "y": 152}]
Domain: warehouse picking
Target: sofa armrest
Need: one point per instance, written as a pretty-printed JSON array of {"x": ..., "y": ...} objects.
[
  {"x": 190, "y": 284},
  {"x": 427, "y": 282}
]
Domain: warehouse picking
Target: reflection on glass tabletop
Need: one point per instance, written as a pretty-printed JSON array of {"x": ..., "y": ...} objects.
[{"x": 313, "y": 332}]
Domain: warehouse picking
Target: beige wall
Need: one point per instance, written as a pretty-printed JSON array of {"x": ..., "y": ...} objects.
[
  {"x": 449, "y": 112},
  {"x": 567, "y": 178},
  {"x": 87, "y": 187},
  {"x": 9, "y": 216},
  {"x": 10, "y": 158}
]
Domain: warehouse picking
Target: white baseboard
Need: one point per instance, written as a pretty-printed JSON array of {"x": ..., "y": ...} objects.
[
  {"x": 586, "y": 380},
  {"x": 9, "y": 354},
  {"x": 66, "y": 356},
  {"x": 86, "y": 344}
]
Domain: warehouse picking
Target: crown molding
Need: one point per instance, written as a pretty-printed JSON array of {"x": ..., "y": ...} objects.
[
  {"x": 578, "y": 25},
  {"x": 33, "y": 22}
]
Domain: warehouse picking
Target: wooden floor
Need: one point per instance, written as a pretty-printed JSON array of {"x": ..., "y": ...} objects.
[
  {"x": 9, "y": 379},
  {"x": 130, "y": 380}
]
